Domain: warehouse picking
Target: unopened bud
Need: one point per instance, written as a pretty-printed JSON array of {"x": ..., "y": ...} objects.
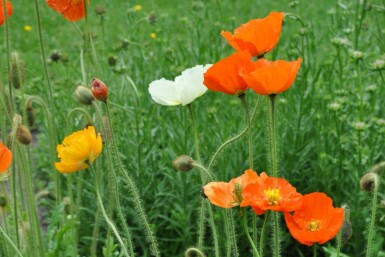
[
  {"x": 334, "y": 106},
  {"x": 99, "y": 90},
  {"x": 23, "y": 135},
  {"x": 31, "y": 114},
  {"x": 368, "y": 181},
  {"x": 346, "y": 230},
  {"x": 112, "y": 60},
  {"x": 16, "y": 72},
  {"x": 67, "y": 205},
  {"x": 360, "y": 126},
  {"x": 357, "y": 55},
  {"x": 100, "y": 10},
  {"x": 378, "y": 64},
  {"x": 55, "y": 56},
  {"x": 84, "y": 95},
  {"x": 3, "y": 201},
  {"x": 183, "y": 163},
  {"x": 378, "y": 168}
]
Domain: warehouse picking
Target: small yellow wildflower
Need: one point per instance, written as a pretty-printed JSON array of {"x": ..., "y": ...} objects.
[
  {"x": 27, "y": 28},
  {"x": 138, "y": 8},
  {"x": 153, "y": 35}
]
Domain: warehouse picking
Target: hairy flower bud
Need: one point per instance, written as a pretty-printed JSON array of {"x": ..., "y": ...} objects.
[
  {"x": 183, "y": 163},
  {"x": 16, "y": 72},
  {"x": 346, "y": 230},
  {"x": 368, "y": 181},
  {"x": 23, "y": 135},
  {"x": 84, "y": 95},
  {"x": 99, "y": 90}
]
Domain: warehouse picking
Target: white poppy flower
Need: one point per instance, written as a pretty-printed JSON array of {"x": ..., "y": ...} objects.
[{"x": 183, "y": 90}]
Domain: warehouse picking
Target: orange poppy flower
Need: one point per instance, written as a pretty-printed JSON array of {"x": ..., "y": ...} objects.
[
  {"x": 228, "y": 195},
  {"x": 8, "y": 6},
  {"x": 317, "y": 221},
  {"x": 258, "y": 36},
  {"x": 5, "y": 158},
  {"x": 269, "y": 78},
  {"x": 72, "y": 10},
  {"x": 224, "y": 75},
  {"x": 270, "y": 193}
]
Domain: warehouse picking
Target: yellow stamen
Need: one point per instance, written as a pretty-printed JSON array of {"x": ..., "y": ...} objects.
[
  {"x": 314, "y": 225},
  {"x": 273, "y": 196}
]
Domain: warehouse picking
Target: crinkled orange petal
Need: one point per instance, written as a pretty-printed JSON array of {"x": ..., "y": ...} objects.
[
  {"x": 8, "y": 6},
  {"x": 5, "y": 158},
  {"x": 258, "y": 36},
  {"x": 254, "y": 194},
  {"x": 272, "y": 77},
  {"x": 72, "y": 10},
  {"x": 316, "y": 206},
  {"x": 224, "y": 75},
  {"x": 224, "y": 194}
]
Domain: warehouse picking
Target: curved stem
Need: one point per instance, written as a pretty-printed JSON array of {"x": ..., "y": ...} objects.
[
  {"x": 10, "y": 242},
  {"x": 246, "y": 228},
  {"x": 262, "y": 239},
  {"x": 193, "y": 250},
  {"x": 233, "y": 139},
  {"x": 201, "y": 167},
  {"x": 109, "y": 222}
]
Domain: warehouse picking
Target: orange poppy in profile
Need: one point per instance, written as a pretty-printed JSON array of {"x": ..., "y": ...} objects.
[
  {"x": 224, "y": 76},
  {"x": 270, "y": 193},
  {"x": 8, "y": 6},
  {"x": 317, "y": 221},
  {"x": 268, "y": 78},
  {"x": 228, "y": 195},
  {"x": 258, "y": 36},
  {"x": 72, "y": 10},
  {"x": 5, "y": 158}
]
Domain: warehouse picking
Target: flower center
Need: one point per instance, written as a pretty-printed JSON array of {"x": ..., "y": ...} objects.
[
  {"x": 314, "y": 225},
  {"x": 273, "y": 196}
]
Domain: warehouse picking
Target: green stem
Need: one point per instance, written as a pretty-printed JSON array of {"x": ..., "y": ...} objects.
[
  {"x": 7, "y": 45},
  {"x": 246, "y": 228},
  {"x": 276, "y": 235},
  {"x": 196, "y": 139},
  {"x": 135, "y": 194},
  {"x": 272, "y": 137},
  {"x": 339, "y": 240},
  {"x": 315, "y": 249},
  {"x": 10, "y": 242},
  {"x": 233, "y": 139},
  {"x": 109, "y": 222},
  {"x": 242, "y": 97},
  {"x": 213, "y": 229},
  {"x": 371, "y": 231},
  {"x": 203, "y": 168},
  {"x": 114, "y": 194},
  {"x": 193, "y": 250},
  {"x": 263, "y": 230}
]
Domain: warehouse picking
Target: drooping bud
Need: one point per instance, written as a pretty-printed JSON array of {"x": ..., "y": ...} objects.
[
  {"x": 368, "y": 181},
  {"x": 31, "y": 114},
  {"x": 99, "y": 90},
  {"x": 378, "y": 168},
  {"x": 183, "y": 163},
  {"x": 100, "y": 10},
  {"x": 84, "y": 95},
  {"x": 16, "y": 72},
  {"x": 112, "y": 60},
  {"x": 3, "y": 201},
  {"x": 23, "y": 135}
]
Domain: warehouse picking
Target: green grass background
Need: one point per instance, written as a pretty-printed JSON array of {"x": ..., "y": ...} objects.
[{"x": 320, "y": 148}]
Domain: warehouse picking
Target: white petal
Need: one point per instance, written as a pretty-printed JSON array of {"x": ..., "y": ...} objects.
[
  {"x": 191, "y": 83},
  {"x": 165, "y": 92}
]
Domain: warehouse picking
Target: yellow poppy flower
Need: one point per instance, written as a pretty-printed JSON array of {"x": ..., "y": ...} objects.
[{"x": 77, "y": 148}]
